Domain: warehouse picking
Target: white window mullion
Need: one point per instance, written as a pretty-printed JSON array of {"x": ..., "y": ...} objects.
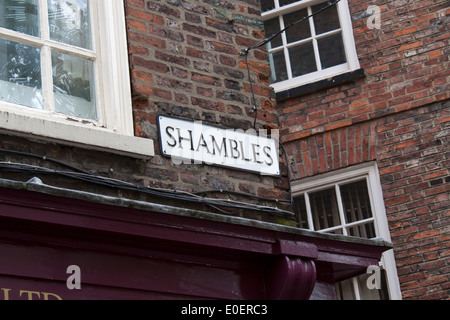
[
  {"x": 276, "y": 3},
  {"x": 285, "y": 48},
  {"x": 356, "y": 288},
  {"x": 314, "y": 41},
  {"x": 46, "y": 59},
  {"x": 47, "y": 79},
  {"x": 43, "y": 17},
  {"x": 96, "y": 47},
  {"x": 341, "y": 209},
  {"x": 309, "y": 212}
]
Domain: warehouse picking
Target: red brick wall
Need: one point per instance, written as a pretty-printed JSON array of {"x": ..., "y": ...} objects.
[
  {"x": 405, "y": 67},
  {"x": 185, "y": 62},
  {"x": 398, "y": 115},
  {"x": 413, "y": 157},
  {"x": 184, "y": 59}
]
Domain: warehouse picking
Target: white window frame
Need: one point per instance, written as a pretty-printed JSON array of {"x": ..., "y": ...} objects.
[
  {"x": 369, "y": 172},
  {"x": 114, "y": 130},
  {"x": 352, "y": 63}
]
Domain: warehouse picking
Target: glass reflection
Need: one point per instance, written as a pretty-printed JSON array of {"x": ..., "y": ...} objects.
[
  {"x": 20, "y": 74},
  {"x": 73, "y": 86},
  {"x": 20, "y": 15},
  {"x": 69, "y": 22}
]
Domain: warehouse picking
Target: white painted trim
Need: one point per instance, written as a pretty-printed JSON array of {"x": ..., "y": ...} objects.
[
  {"x": 277, "y": 11},
  {"x": 321, "y": 181},
  {"x": 347, "y": 35},
  {"x": 115, "y": 85},
  {"x": 311, "y": 77},
  {"x": 76, "y": 134}
]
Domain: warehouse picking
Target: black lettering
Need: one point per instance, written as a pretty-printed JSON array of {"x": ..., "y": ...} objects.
[
  {"x": 223, "y": 146},
  {"x": 267, "y": 150},
  {"x": 243, "y": 152},
  {"x": 234, "y": 148},
  {"x": 192, "y": 140},
  {"x": 181, "y": 138},
  {"x": 171, "y": 137},
  {"x": 202, "y": 143},
  {"x": 256, "y": 155}
]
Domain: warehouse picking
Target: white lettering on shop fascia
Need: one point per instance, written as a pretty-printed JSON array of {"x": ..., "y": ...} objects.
[{"x": 188, "y": 142}]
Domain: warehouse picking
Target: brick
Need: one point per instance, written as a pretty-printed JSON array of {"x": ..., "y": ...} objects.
[
  {"x": 149, "y": 64},
  {"x": 254, "y": 66},
  {"x": 137, "y": 25},
  {"x": 206, "y": 79},
  {"x": 337, "y": 125},
  {"x": 142, "y": 75},
  {"x": 201, "y": 31},
  {"x": 185, "y": 62},
  {"x": 145, "y": 16},
  {"x": 163, "y": 9},
  {"x": 136, "y": 3},
  {"x": 227, "y": 60},
  {"x": 426, "y": 234},
  {"x": 392, "y": 115},
  {"x": 410, "y": 46},
  {"x": 406, "y": 31},
  {"x": 434, "y": 54},
  {"x": 209, "y": 105},
  {"x": 221, "y": 47},
  {"x": 148, "y": 40}
]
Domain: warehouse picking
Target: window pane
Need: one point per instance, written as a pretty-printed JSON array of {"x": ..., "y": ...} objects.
[
  {"x": 271, "y": 27},
  {"x": 286, "y": 2},
  {"x": 303, "y": 60},
  {"x": 300, "y": 30},
  {"x": 278, "y": 67},
  {"x": 20, "y": 74},
  {"x": 356, "y": 201},
  {"x": 326, "y": 20},
  {"x": 301, "y": 210},
  {"x": 345, "y": 290},
  {"x": 20, "y": 15},
  {"x": 366, "y": 230},
  {"x": 324, "y": 209},
  {"x": 73, "y": 86},
  {"x": 331, "y": 50},
  {"x": 69, "y": 22},
  {"x": 267, "y": 5}
]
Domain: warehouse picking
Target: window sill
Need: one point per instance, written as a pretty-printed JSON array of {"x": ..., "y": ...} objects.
[
  {"x": 76, "y": 135},
  {"x": 319, "y": 85}
]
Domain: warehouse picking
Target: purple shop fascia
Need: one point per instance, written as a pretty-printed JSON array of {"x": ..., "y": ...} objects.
[{"x": 127, "y": 249}]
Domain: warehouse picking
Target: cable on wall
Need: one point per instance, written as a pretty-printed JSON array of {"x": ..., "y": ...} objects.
[
  {"x": 227, "y": 206},
  {"x": 255, "y": 107},
  {"x": 217, "y": 204}
]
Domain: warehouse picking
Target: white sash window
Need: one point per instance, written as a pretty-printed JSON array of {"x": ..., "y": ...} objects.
[
  {"x": 64, "y": 73},
  {"x": 350, "y": 202},
  {"x": 317, "y": 48}
]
